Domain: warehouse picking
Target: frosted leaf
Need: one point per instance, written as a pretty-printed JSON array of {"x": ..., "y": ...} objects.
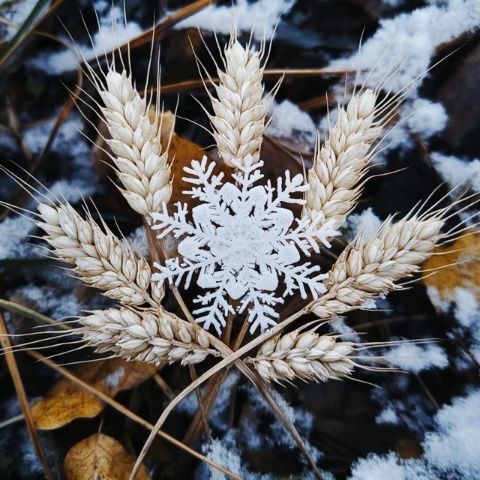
[{"x": 240, "y": 243}]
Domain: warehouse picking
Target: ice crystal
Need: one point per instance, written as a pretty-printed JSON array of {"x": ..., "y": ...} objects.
[{"x": 240, "y": 241}]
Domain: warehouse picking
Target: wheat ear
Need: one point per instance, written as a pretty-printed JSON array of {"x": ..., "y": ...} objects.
[
  {"x": 306, "y": 355},
  {"x": 369, "y": 268},
  {"x": 340, "y": 164},
  {"x": 156, "y": 338},
  {"x": 101, "y": 260},
  {"x": 141, "y": 161},
  {"x": 240, "y": 107}
]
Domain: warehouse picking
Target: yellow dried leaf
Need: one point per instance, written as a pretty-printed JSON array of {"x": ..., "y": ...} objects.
[
  {"x": 465, "y": 253},
  {"x": 100, "y": 457},
  {"x": 66, "y": 401}
]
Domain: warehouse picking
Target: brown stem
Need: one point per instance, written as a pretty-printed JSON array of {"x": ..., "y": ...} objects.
[
  {"x": 22, "y": 397},
  {"x": 212, "y": 389}
]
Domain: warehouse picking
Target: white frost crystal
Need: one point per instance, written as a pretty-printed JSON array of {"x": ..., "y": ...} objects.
[{"x": 240, "y": 241}]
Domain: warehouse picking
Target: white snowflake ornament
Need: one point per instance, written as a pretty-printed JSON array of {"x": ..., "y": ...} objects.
[{"x": 240, "y": 242}]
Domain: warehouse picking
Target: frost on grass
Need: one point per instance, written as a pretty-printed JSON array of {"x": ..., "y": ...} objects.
[
  {"x": 14, "y": 232},
  {"x": 240, "y": 242},
  {"x": 458, "y": 171},
  {"x": 259, "y": 17},
  {"x": 451, "y": 450},
  {"x": 455, "y": 445},
  {"x": 415, "y": 358},
  {"x": 289, "y": 122},
  {"x": 104, "y": 40},
  {"x": 232, "y": 444},
  {"x": 406, "y": 43},
  {"x": 225, "y": 452}
]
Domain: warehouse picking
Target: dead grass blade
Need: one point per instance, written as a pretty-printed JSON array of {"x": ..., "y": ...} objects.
[
  {"x": 22, "y": 398},
  {"x": 125, "y": 411}
]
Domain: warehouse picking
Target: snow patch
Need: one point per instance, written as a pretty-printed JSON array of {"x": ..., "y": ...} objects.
[
  {"x": 365, "y": 223},
  {"x": 402, "y": 48},
  {"x": 415, "y": 358},
  {"x": 112, "y": 33},
  {"x": 452, "y": 450},
  {"x": 387, "y": 415},
  {"x": 259, "y": 17},
  {"x": 289, "y": 122},
  {"x": 458, "y": 171}
]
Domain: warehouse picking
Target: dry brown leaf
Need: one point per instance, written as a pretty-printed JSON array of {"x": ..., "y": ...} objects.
[
  {"x": 465, "y": 253},
  {"x": 66, "y": 402},
  {"x": 100, "y": 457}
]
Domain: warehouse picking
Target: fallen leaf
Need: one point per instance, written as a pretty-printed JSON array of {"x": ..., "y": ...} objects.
[
  {"x": 100, "y": 457},
  {"x": 463, "y": 270},
  {"x": 66, "y": 401}
]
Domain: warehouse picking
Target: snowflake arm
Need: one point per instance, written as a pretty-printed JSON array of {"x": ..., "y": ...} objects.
[
  {"x": 214, "y": 310},
  {"x": 301, "y": 277},
  {"x": 307, "y": 235},
  {"x": 177, "y": 224},
  {"x": 173, "y": 271},
  {"x": 261, "y": 313}
]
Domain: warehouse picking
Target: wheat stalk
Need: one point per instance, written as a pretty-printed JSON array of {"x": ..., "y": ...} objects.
[
  {"x": 152, "y": 337},
  {"x": 369, "y": 268},
  {"x": 340, "y": 164},
  {"x": 307, "y": 356},
  {"x": 240, "y": 109},
  {"x": 101, "y": 260},
  {"x": 140, "y": 159}
]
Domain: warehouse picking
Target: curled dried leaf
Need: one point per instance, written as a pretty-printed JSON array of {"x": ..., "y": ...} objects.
[{"x": 100, "y": 457}]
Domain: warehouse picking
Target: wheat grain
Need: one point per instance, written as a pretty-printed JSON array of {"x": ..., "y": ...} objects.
[
  {"x": 140, "y": 159},
  {"x": 307, "y": 356},
  {"x": 152, "y": 337},
  {"x": 101, "y": 260},
  {"x": 240, "y": 109},
  {"x": 369, "y": 268},
  {"x": 340, "y": 164}
]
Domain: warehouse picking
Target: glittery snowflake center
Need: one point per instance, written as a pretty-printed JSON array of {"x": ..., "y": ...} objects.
[{"x": 240, "y": 242}]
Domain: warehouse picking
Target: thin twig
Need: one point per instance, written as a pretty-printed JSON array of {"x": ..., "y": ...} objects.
[{"x": 11, "y": 421}]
